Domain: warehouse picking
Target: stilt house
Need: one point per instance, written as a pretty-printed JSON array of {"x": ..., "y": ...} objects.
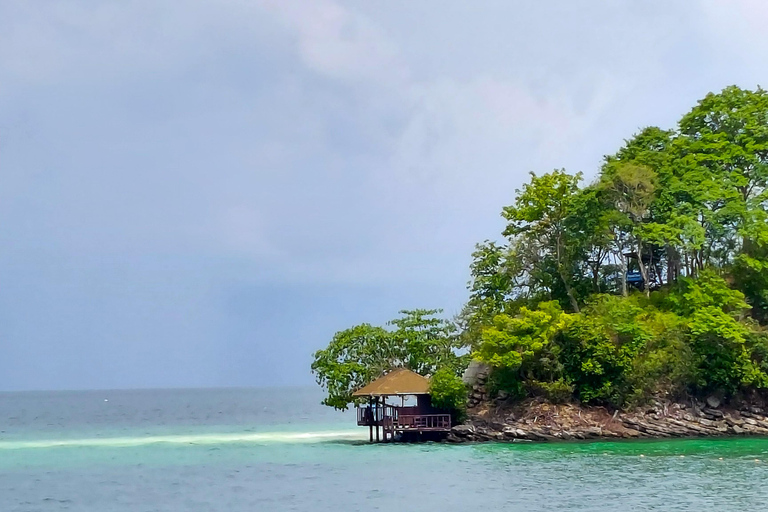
[{"x": 381, "y": 409}]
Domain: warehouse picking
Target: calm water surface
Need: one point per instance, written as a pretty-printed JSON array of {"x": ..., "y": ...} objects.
[{"x": 264, "y": 450}]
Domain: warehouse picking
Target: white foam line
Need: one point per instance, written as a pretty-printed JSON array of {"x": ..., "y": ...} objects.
[{"x": 199, "y": 439}]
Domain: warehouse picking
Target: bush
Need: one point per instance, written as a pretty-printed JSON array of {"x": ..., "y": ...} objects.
[
  {"x": 599, "y": 348},
  {"x": 556, "y": 392},
  {"x": 449, "y": 392},
  {"x": 507, "y": 380},
  {"x": 623, "y": 351},
  {"x": 666, "y": 365},
  {"x": 523, "y": 343}
]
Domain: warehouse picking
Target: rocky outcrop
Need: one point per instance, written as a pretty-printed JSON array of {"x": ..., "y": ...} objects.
[
  {"x": 476, "y": 377},
  {"x": 540, "y": 421}
]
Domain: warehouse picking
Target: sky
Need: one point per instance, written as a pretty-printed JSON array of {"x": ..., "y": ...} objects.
[{"x": 201, "y": 194}]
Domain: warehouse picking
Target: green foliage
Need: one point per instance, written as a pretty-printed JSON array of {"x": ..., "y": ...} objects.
[
  {"x": 490, "y": 288},
  {"x": 683, "y": 212},
  {"x": 666, "y": 365},
  {"x": 356, "y": 356},
  {"x": 707, "y": 290},
  {"x": 622, "y": 351},
  {"x": 524, "y": 343},
  {"x": 448, "y": 392},
  {"x": 598, "y": 349},
  {"x": 559, "y": 391},
  {"x": 539, "y": 219}
]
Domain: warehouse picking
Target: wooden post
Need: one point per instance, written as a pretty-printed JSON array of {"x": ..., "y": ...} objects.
[
  {"x": 376, "y": 415},
  {"x": 370, "y": 418}
]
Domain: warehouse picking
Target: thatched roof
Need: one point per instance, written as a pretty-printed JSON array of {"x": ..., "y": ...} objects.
[{"x": 396, "y": 382}]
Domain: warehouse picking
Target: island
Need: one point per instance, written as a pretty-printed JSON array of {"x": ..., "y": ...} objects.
[{"x": 634, "y": 305}]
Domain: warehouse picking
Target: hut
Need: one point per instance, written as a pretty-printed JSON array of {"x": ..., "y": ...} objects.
[{"x": 377, "y": 410}]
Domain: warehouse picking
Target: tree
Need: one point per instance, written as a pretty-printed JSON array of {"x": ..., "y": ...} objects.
[
  {"x": 490, "y": 288},
  {"x": 361, "y": 354},
  {"x": 424, "y": 342},
  {"x": 522, "y": 344},
  {"x": 355, "y": 357},
  {"x": 539, "y": 219}
]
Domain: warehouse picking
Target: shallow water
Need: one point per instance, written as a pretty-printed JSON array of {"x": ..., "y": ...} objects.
[{"x": 254, "y": 450}]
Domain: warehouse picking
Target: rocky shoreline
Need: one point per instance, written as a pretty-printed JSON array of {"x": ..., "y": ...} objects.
[
  {"x": 500, "y": 419},
  {"x": 534, "y": 421}
]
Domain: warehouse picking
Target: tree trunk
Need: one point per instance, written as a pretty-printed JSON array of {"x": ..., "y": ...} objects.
[
  {"x": 643, "y": 269},
  {"x": 623, "y": 260},
  {"x": 673, "y": 264},
  {"x": 596, "y": 279},
  {"x": 569, "y": 290}
]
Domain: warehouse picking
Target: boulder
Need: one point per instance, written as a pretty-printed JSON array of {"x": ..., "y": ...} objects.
[
  {"x": 474, "y": 372},
  {"x": 463, "y": 430},
  {"x": 713, "y": 401}
]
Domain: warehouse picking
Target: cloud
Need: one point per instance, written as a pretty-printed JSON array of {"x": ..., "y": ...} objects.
[
  {"x": 340, "y": 43},
  {"x": 256, "y": 148}
]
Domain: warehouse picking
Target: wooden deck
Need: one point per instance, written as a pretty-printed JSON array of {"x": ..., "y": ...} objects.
[{"x": 395, "y": 420}]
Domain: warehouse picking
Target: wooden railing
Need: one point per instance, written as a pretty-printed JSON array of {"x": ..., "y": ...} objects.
[
  {"x": 374, "y": 415},
  {"x": 423, "y": 422},
  {"x": 392, "y": 420}
]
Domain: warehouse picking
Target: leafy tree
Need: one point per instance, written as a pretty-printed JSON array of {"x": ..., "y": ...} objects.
[
  {"x": 523, "y": 344},
  {"x": 539, "y": 219},
  {"x": 361, "y": 354},
  {"x": 424, "y": 342},
  {"x": 631, "y": 188},
  {"x": 355, "y": 357},
  {"x": 687, "y": 208},
  {"x": 598, "y": 349}
]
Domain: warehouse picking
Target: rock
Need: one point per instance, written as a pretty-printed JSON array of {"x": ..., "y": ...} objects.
[
  {"x": 737, "y": 429},
  {"x": 463, "y": 430},
  {"x": 475, "y": 372},
  {"x": 592, "y": 431},
  {"x": 713, "y": 412},
  {"x": 713, "y": 401},
  {"x": 494, "y": 425}
]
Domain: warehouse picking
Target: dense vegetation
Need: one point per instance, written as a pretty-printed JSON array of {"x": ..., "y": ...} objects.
[
  {"x": 417, "y": 340},
  {"x": 650, "y": 280}
]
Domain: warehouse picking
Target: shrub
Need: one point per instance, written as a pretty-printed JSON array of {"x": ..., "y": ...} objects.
[
  {"x": 599, "y": 348},
  {"x": 666, "y": 365},
  {"x": 449, "y": 392},
  {"x": 523, "y": 343},
  {"x": 555, "y": 392}
]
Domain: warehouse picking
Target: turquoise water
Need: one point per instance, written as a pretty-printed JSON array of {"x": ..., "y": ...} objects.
[{"x": 255, "y": 450}]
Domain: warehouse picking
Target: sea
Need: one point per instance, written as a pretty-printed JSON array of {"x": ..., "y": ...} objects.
[{"x": 233, "y": 450}]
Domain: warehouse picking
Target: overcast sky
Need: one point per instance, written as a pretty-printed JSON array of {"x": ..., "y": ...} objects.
[{"x": 201, "y": 193}]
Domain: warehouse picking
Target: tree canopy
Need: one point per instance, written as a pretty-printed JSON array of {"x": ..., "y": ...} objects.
[
  {"x": 677, "y": 216},
  {"x": 649, "y": 279},
  {"x": 416, "y": 340}
]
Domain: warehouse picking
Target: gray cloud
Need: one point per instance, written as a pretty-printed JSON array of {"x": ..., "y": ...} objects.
[{"x": 202, "y": 196}]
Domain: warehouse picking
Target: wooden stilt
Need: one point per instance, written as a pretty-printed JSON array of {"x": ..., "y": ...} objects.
[{"x": 370, "y": 419}]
